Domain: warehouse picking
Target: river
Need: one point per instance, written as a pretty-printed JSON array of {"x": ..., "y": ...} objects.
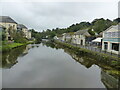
[{"x": 44, "y": 66}]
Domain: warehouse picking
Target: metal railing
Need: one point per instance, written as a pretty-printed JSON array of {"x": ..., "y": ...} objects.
[{"x": 93, "y": 48}]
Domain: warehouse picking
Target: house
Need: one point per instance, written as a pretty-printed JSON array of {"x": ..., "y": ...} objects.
[
  {"x": 59, "y": 37},
  {"x": 67, "y": 37},
  {"x": 80, "y": 37},
  {"x": 24, "y": 29},
  {"x": 111, "y": 39},
  {"x": 9, "y": 24}
]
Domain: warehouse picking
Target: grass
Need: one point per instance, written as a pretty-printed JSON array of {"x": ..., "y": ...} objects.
[{"x": 8, "y": 46}]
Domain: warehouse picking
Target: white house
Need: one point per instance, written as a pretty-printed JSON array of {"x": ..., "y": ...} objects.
[
  {"x": 111, "y": 39},
  {"x": 79, "y": 37}
]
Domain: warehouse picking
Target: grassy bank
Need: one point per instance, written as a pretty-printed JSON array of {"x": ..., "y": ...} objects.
[
  {"x": 10, "y": 46},
  {"x": 99, "y": 57}
]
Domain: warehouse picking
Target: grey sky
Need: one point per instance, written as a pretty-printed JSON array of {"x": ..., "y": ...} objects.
[{"x": 47, "y": 15}]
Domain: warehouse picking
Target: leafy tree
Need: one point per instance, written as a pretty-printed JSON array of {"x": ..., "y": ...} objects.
[
  {"x": 91, "y": 32},
  {"x": 2, "y": 35},
  {"x": 18, "y": 38},
  {"x": 98, "y": 25}
]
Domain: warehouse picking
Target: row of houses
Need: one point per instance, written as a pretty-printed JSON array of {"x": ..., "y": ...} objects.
[
  {"x": 109, "y": 40},
  {"x": 7, "y": 23},
  {"x": 81, "y": 37}
]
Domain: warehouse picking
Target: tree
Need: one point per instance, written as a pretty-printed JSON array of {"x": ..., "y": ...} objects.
[{"x": 91, "y": 32}]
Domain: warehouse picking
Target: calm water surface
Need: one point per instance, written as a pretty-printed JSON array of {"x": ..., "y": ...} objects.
[{"x": 39, "y": 66}]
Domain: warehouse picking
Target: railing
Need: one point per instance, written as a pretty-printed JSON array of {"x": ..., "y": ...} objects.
[
  {"x": 92, "y": 48},
  {"x": 96, "y": 49}
]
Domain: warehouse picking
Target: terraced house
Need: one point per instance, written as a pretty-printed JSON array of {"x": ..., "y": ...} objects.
[
  {"x": 24, "y": 29},
  {"x": 111, "y": 39},
  {"x": 8, "y": 24}
]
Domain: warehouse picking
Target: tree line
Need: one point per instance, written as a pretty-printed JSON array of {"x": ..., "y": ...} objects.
[{"x": 98, "y": 25}]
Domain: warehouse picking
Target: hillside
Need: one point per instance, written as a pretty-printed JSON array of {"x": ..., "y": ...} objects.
[{"x": 98, "y": 25}]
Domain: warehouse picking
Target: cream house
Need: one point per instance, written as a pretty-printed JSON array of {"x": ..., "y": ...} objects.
[
  {"x": 67, "y": 37},
  {"x": 111, "y": 39},
  {"x": 79, "y": 37},
  {"x": 9, "y": 24},
  {"x": 29, "y": 34},
  {"x": 24, "y": 29}
]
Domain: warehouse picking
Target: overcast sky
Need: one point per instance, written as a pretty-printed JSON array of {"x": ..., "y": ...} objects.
[{"x": 48, "y": 15}]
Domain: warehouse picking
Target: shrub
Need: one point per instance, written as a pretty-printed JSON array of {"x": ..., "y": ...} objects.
[{"x": 20, "y": 40}]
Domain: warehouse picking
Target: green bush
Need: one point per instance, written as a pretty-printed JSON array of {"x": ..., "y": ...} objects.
[{"x": 20, "y": 40}]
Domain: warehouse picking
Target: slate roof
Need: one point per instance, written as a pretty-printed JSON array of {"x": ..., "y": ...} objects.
[
  {"x": 67, "y": 34},
  {"x": 6, "y": 19},
  {"x": 20, "y": 26},
  {"x": 82, "y": 32},
  {"x": 117, "y": 27}
]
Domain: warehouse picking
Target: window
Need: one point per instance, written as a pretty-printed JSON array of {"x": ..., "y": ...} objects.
[
  {"x": 105, "y": 45},
  {"x": 112, "y": 34},
  {"x": 115, "y": 46}
]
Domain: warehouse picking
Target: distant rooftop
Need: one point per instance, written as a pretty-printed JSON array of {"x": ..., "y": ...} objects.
[
  {"x": 6, "y": 19},
  {"x": 82, "y": 32},
  {"x": 116, "y": 27},
  {"x": 21, "y": 26}
]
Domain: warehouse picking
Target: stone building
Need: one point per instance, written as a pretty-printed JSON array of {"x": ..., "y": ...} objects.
[{"x": 9, "y": 25}]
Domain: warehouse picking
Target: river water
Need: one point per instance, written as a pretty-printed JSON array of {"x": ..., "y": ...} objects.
[{"x": 43, "y": 66}]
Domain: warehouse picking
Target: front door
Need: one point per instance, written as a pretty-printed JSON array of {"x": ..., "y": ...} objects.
[{"x": 81, "y": 42}]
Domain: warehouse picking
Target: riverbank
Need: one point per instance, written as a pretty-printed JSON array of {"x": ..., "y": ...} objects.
[
  {"x": 10, "y": 46},
  {"x": 112, "y": 61}
]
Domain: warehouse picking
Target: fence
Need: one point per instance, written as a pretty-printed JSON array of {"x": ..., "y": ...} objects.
[{"x": 93, "y": 48}]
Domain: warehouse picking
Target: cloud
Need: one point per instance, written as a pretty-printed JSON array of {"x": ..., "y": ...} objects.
[{"x": 44, "y": 15}]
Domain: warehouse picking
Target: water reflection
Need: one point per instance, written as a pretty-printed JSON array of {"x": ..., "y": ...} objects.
[
  {"x": 110, "y": 77},
  {"x": 10, "y": 58}
]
